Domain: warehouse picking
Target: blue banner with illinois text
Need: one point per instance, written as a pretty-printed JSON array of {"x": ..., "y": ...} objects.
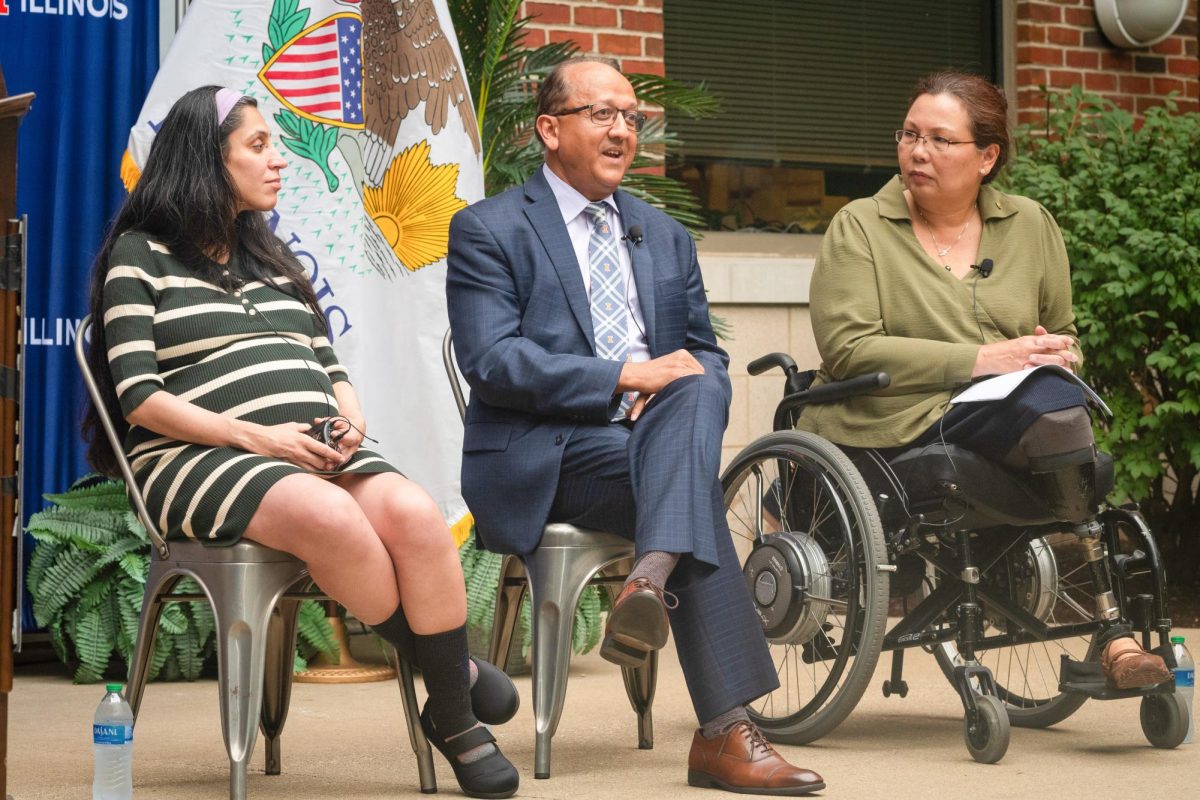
[{"x": 90, "y": 63}]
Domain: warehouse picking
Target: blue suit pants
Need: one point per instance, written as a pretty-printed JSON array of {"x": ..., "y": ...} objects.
[{"x": 655, "y": 482}]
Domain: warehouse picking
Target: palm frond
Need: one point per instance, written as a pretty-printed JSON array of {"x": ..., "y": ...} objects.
[{"x": 675, "y": 97}]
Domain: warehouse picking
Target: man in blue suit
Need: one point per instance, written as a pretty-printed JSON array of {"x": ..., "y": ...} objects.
[{"x": 599, "y": 397}]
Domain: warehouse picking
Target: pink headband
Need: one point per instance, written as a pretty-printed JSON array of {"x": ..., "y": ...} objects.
[{"x": 226, "y": 99}]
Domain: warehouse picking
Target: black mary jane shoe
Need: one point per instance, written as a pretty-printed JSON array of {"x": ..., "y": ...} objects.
[
  {"x": 492, "y": 776},
  {"x": 494, "y": 698}
]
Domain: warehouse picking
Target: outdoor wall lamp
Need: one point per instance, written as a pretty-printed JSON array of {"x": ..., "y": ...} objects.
[{"x": 1132, "y": 24}]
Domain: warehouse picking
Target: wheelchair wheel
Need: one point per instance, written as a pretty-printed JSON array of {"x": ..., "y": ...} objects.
[
  {"x": 1164, "y": 720},
  {"x": 987, "y": 740},
  {"x": 810, "y": 542},
  {"x": 1049, "y": 579}
]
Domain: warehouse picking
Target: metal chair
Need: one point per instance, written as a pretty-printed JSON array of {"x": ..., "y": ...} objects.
[
  {"x": 566, "y": 561},
  {"x": 255, "y": 593}
]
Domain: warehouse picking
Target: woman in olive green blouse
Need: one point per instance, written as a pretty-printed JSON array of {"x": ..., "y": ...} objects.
[{"x": 939, "y": 279}]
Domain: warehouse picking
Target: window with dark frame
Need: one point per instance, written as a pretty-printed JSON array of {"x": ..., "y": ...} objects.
[{"x": 811, "y": 93}]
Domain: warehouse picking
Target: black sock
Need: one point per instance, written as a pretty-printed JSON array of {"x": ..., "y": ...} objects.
[
  {"x": 396, "y": 632},
  {"x": 444, "y": 660}
]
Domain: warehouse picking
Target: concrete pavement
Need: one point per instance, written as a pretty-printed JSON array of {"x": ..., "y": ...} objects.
[{"x": 350, "y": 742}]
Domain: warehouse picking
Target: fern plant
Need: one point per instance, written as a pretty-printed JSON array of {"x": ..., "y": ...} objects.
[
  {"x": 314, "y": 636},
  {"x": 87, "y": 576}
]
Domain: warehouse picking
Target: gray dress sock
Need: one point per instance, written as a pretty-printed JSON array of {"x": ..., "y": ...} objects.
[
  {"x": 655, "y": 566},
  {"x": 721, "y": 723}
]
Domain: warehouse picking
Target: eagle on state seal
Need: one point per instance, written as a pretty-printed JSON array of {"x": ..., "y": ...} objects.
[{"x": 407, "y": 60}]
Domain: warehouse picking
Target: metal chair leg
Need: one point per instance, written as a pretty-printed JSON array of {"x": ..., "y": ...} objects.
[
  {"x": 557, "y": 577},
  {"x": 242, "y": 620},
  {"x": 416, "y": 736},
  {"x": 159, "y": 581},
  {"x": 510, "y": 591},
  {"x": 277, "y": 679},
  {"x": 640, "y": 682}
]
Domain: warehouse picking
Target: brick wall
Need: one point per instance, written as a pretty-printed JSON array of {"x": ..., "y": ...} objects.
[
  {"x": 1059, "y": 45},
  {"x": 629, "y": 30}
]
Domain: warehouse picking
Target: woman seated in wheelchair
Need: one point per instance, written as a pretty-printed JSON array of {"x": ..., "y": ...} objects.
[
  {"x": 940, "y": 279},
  {"x": 240, "y": 422}
]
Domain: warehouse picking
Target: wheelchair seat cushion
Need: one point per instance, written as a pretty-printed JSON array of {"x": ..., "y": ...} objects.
[{"x": 967, "y": 487}]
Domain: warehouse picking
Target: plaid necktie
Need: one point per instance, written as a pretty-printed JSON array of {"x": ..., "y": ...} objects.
[{"x": 610, "y": 314}]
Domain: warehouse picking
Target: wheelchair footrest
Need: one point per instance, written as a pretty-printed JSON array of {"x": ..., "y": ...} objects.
[{"x": 1086, "y": 677}]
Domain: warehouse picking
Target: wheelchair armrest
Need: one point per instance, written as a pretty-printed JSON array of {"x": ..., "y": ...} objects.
[
  {"x": 826, "y": 393},
  {"x": 840, "y": 390}
]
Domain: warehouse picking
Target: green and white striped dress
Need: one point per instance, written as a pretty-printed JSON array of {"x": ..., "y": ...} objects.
[{"x": 253, "y": 353}]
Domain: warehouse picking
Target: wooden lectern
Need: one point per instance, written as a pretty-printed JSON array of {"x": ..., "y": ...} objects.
[{"x": 12, "y": 267}]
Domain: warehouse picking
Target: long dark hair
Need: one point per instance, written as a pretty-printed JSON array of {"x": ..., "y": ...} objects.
[{"x": 185, "y": 199}]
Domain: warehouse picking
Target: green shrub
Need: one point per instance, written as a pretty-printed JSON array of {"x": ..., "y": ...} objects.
[{"x": 1126, "y": 194}]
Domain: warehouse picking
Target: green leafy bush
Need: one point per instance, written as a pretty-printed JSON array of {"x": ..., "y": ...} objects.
[
  {"x": 1126, "y": 194},
  {"x": 87, "y": 576}
]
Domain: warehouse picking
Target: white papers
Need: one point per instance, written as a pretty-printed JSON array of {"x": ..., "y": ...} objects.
[{"x": 1002, "y": 386}]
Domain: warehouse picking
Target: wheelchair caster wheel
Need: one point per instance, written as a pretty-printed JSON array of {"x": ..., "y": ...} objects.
[
  {"x": 987, "y": 739},
  {"x": 1164, "y": 720},
  {"x": 900, "y": 689}
]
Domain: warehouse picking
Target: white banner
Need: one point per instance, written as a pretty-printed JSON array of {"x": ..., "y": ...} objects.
[{"x": 376, "y": 167}]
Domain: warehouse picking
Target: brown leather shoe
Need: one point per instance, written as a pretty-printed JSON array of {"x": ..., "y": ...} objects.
[
  {"x": 637, "y": 623},
  {"x": 1127, "y": 666},
  {"x": 743, "y": 761}
]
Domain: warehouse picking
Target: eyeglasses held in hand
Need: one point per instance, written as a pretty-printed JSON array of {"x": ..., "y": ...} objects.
[
  {"x": 939, "y": 143},
  {"x": 605, "y": 116}
]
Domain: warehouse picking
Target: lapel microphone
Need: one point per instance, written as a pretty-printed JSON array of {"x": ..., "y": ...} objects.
[
  {"x": 985, "y": 267},
  {"x": 635, "y": 235}
]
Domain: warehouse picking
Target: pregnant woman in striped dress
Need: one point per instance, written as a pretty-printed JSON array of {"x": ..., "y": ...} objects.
[{"x": 214, "y": 351}]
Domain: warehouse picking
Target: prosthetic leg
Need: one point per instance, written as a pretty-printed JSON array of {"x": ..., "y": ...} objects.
[{"x": 1059, "y": 452}]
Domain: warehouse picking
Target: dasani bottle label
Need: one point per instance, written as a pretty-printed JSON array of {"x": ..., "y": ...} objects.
[{"x": 112, "y": 734}]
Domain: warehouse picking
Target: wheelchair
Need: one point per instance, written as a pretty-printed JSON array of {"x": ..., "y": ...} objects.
[{"x": 1002, "y": 579}]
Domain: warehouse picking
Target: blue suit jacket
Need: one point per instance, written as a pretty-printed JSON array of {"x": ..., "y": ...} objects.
[{"x": 523, "y": 338}]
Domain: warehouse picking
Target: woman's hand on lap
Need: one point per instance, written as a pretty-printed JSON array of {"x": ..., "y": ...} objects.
[
  {"x": 349, "y": 437},
  {"x": 290, "y": 442},
  {"x": 1025, "y": 352}
]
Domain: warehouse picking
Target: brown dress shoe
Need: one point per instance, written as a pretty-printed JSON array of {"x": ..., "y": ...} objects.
[
  {"x": 743, "y": 761},
  {"x": 1127, "y": 666},
  {"x": 637, "y": 623}
]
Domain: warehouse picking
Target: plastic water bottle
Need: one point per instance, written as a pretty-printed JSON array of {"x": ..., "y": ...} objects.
[
  {"x": 1185, "y": 682},
  {"x": 112, "y": 741}
]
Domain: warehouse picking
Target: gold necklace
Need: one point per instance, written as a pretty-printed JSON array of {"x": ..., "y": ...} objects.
[{"x": 942, "y": 251}]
